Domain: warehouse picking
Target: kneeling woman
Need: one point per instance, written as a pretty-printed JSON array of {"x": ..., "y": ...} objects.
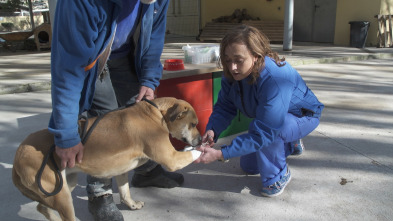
[{"x": 266, "y": 88}]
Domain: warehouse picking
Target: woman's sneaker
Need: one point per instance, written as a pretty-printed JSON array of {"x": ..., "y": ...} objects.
[
  {"x": 278, "y": 187},
  {"x": 298, "y": 147}
]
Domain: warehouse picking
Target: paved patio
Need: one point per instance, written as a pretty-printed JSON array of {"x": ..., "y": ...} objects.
[{"x": 345, "y": 173}]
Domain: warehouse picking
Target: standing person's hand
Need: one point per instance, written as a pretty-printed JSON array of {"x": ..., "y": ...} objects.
[
  {"x": 146, "y": 92},
  {"x": 68, "y": 155}
]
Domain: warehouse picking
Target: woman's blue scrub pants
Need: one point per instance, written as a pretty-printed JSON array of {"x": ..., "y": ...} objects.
[{"x": 270, "y": 162}]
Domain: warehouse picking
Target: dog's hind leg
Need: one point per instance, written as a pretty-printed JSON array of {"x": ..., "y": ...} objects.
[
  {"x": 72, "y": 180},
  {"x": 33, "y": 194},
  {"x": 47, "y": 212},
  {"x": 125, "y": 195},
  {"x": 63, "y": 204}
]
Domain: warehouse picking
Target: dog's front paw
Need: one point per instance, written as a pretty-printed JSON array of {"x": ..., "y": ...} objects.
[
  {"x": 188, "y": 148},
  {"x": 135, "y": 205},
  {"x": 195, "y": 154}
]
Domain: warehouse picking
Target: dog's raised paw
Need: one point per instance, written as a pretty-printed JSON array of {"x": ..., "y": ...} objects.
[
  {"x": 195, "y": 154},
  {"x": 188, "y": 148}
]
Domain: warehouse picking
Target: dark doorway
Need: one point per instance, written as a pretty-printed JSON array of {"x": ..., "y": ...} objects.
[{"x": 314, "y": 20}]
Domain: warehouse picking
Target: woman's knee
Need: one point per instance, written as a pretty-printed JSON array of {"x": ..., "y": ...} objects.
[
  {"x": 296, "y": 128},
  {"x": 249, "y": 163}
]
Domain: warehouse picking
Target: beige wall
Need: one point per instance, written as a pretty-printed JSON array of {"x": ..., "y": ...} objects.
[
  {"x": 347, "y": 10},
  {"x": 266, "y": 10},
  {"x": 359, "y": 10}
]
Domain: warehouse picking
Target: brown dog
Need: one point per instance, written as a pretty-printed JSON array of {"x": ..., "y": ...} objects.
[{"x": 121, "y": 141}]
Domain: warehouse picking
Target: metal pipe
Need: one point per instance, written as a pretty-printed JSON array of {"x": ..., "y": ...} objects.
[{"x": 288, "y": 25}]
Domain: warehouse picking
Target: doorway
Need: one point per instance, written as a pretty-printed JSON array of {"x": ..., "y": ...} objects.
[
  {"x": 183, "y": 18},
  {"x": 314, "y": 20}
]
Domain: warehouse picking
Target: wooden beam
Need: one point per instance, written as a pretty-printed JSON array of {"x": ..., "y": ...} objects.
[
  {"x": 390, "y": 31},
  {"x": 31, "y": 15}
]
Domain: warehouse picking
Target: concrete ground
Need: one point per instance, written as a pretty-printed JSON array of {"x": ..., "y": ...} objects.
[{"x": 345, "y": 173}]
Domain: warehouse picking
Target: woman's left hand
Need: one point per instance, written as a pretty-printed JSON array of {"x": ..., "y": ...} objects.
[
  {"x": 207, "y": 138},
  {"x": 208, "y": 155}
]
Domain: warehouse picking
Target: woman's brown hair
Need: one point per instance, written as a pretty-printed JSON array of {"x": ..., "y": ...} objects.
[{"x": 257, "y": 43}]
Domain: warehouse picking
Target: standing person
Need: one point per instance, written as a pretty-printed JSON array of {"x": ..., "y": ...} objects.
[
  {"x": 86, "y": 79},
  {"x": 266, "y": 88}
]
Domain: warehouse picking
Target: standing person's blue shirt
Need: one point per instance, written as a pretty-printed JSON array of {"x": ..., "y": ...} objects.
[
  {"x": 128, "y": 17},
  {"x": 83, "y": 32}
]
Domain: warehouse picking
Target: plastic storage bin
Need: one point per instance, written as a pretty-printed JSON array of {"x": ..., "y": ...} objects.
[{"x": 198, "y": 54}]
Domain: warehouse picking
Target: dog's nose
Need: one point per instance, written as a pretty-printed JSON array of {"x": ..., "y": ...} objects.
[{"x": 197, "y": 141}]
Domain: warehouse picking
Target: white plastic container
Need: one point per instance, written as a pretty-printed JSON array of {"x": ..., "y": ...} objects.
[{"x": 198, "y": 54}]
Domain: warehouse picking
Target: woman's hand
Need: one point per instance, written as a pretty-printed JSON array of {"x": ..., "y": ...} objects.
[
  {"x": 208, "y": 138},
  {"x": 208, "y": 155}
]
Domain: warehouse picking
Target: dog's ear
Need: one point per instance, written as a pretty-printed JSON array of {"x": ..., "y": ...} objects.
[{"x": 177, "y": 112}]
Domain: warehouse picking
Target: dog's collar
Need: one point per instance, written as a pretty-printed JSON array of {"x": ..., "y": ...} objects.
[{"x": 150, "y": 102}]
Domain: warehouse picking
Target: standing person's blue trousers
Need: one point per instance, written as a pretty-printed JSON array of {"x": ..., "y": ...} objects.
[{"x": 270, "y": 162}]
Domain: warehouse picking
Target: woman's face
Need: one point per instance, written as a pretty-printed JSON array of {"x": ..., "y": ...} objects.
[{"x": 239, "y": 60}]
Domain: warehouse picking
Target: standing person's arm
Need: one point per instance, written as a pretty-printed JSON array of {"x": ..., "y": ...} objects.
[
  {"x": 73, "y": 47},
  {"x": 148, "y": 65}
]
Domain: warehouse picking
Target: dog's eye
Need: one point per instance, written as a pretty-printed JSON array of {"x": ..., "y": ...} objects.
[{"x": 193, "y": 125}]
